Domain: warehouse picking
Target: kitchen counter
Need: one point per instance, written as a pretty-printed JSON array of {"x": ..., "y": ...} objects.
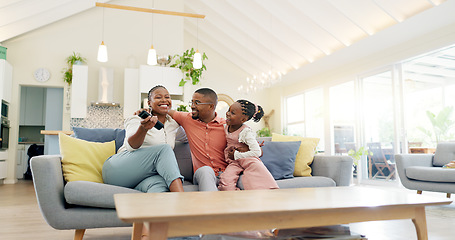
[
  {"x": 55, "y": 132},
  {"x": 38, "y": 143}
]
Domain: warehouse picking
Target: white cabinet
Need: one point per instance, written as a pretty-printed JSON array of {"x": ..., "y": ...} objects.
[
  {"x": 6, "y": 80},
  {"x": 137, "y": 81},
  {"x": 21, "y": 159},
  {"x": 79, "y": 91},
  {"x": 3, "y": 164},
  {"x": 33, "y": 107},
  {"x": 150, "y": 76}
]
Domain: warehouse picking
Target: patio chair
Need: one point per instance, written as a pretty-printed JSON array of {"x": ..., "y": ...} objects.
[{"x": 385, "y": 168}]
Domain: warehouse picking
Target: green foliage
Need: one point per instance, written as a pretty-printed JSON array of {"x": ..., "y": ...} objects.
[
  {"x": 185, "y": 63},
  {"x": 356, "y": 155},
  {"x": 70, "y": 61},
  {"x": 264, "y": 132},
  {"x": 182, "y": 108},
  {"x": 441, "y": 125}
]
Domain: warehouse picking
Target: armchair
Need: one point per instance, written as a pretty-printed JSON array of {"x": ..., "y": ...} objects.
[{"x": 424, "y": 172}]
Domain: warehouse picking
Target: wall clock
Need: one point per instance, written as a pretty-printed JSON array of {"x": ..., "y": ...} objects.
[{"x": 42, "y": 75}]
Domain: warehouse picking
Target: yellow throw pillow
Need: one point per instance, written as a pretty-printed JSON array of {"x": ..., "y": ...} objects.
[
  {"x": 305, "y": 154},
  {"x": 83, "y": 160}
]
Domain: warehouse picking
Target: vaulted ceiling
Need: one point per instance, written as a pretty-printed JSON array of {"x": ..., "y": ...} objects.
[{"x": 256, "y": 35}]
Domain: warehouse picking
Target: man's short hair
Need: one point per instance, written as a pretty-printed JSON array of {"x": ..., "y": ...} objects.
[{"x": 207, "y": 92}]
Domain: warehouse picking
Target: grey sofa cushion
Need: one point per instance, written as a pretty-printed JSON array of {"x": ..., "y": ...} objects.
[
  {"x": 305, "y": 182},
  {"x": 93, "y": 194},
  {"x": 445, "y": 152},
  {"x": 101, "y": 135},
  {"x": 431, "y": 174},
  {"x": 183, "y": 154}
]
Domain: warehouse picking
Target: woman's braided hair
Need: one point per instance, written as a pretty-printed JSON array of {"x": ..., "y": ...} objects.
[
  {"x": 153, "y": 89},
  {"x": 249, "y": 109}
]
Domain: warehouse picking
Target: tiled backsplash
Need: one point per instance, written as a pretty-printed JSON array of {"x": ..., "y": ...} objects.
[{"x": 100, "y": 117}]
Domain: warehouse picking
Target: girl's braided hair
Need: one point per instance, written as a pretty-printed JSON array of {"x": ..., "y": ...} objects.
[{"x": 249, "y": 109}]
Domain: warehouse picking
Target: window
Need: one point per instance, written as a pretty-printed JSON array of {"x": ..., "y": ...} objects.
[
  {"x": 305, "y": 115},
  {"x": 295, "y": 116},
  {"x": 342, "y": 113}
]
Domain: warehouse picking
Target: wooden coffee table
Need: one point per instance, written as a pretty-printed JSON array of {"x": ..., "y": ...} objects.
[{"x": 193, "y": 213}]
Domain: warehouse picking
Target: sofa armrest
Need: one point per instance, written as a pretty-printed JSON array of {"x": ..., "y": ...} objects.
[
  {"x": 404, "y": 161},
  {"x": 48, "y": 181},
  {"x": 338, "y": 168}
]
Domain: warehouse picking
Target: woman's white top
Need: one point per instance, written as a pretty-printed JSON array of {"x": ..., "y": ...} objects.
[{"x": 166, "y": 135}]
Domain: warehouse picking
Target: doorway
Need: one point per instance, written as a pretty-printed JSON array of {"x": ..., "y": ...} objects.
[{"x": 41, "y": 108}]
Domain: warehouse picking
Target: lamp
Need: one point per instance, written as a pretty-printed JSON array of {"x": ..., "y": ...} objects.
[
  {"x": 102, "y": 53},
  {"x": 197, "y": 58},
  {"x": 151, "y": 57},
  {"x": 102, "y": 49}
]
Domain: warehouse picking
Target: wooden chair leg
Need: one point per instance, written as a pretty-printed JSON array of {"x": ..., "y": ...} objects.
[
  {"x": 419, "y": 191},
  {"x": 448, "y": 195},
  {"x": 79, "y": 234}
]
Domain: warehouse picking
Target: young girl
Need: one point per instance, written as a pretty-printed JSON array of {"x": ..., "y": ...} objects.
[{"x": 255, "y": 174}]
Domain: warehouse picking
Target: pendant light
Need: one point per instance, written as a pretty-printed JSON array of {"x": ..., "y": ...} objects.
[
  {"x": 102, "y": 49},
  {"x": 151, "y": 57},
  {"x": 197, "y": 57}
]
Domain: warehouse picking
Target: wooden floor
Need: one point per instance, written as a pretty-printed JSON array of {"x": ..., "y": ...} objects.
[{"x": 20, "y": 218}]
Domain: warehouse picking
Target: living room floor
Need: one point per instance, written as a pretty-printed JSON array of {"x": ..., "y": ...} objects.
[{"x": 21, "y": 218}]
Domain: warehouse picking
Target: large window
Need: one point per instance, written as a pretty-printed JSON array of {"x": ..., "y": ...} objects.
[
  {"x": 429, "y": 84},
  {"x": 406, "y": 108},
  {"x": 295, "y": 115},
  {"x": 305, "y": 115},
  {"x": 379, "y": 124},
  {"x": 342, "y": 113}
]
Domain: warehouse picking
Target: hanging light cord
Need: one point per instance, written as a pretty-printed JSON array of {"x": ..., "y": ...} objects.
[
  {"x": 197, "y": 34},
  {"x": 153, "y": 15},
  {"x": 102, "y": 27}
]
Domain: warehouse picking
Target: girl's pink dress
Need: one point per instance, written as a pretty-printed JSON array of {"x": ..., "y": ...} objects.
[{"x": 255, "y": 174}]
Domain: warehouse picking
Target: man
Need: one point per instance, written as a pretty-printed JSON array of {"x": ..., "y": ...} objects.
[{"x": 206, "y": 137}]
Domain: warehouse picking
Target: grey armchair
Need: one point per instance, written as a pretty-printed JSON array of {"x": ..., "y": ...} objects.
[{"x": 424, "y": 172}]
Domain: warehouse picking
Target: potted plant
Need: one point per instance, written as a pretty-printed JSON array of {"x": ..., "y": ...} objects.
[
  {"x": 185, "y": 63},
  {"x": 441, "y": 124},
  {"x": 70, "y": 61},
  {"x": 356, "y": 155},
  {"x": 264, "y": 132}
]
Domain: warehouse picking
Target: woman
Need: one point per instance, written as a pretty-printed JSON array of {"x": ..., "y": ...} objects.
[{"x": 146, "y": 161}]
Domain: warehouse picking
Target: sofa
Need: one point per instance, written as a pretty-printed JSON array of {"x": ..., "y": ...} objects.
[
  {"x": 81, "y": 205},
  {"x": 425, "y": 172}
]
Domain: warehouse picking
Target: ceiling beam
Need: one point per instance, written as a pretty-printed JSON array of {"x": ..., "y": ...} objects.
[{"x": 148, "y": 10}]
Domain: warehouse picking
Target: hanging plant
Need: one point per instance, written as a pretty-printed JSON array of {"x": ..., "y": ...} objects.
[
  {"x": 185, "y": 63},
  {"x": 70, "y": 61}
]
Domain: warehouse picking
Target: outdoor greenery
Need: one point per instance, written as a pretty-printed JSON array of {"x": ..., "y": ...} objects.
[
  {"x": 441, "y": 124},
  {"x": 70, "y": 61},
  {"x": 185, "y": 63},
  {"x": 264, "y": 132},
  {"x": 182, "y": 108},
  {"x": 356, "y": 155}
]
